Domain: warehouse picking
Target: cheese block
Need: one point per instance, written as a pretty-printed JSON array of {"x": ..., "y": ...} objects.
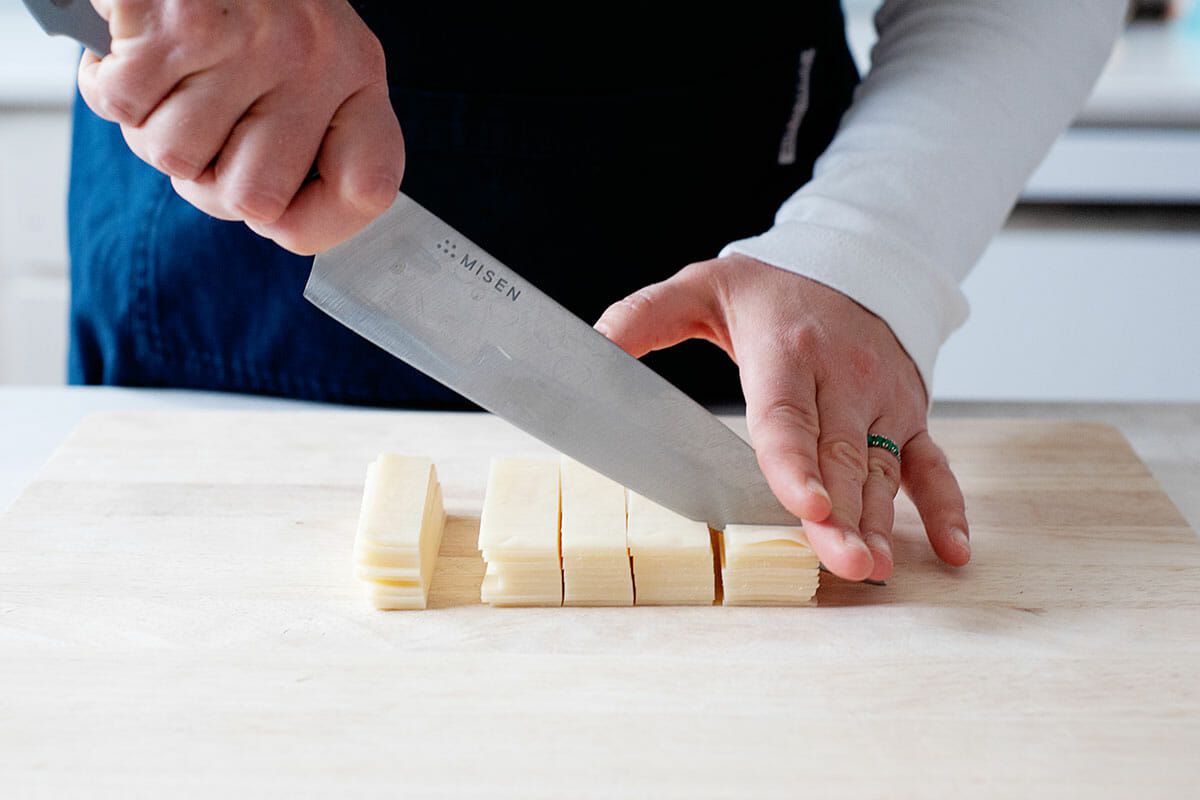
[
  {"x": 399, "y": 532},
  {"x": 518, "y": 533},
  {"x": 595, "y": 555},
  {"x": 505, "y": 584},
  {"x": 672, "y": 556},
  {"x": 767, "y": 565}
]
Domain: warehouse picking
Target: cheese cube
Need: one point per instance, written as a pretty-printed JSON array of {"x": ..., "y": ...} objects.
[
  {"x": 595, "y": 556},
  {"x": 767, "y": 565},
  {"x": 399, "y": 532},
  {"x": 518, "y": 533},
  {"x": 672, "y": 556}
]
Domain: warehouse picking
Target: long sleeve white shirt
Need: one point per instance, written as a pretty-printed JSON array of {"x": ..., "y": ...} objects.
[{"x": 962, "y": 101}]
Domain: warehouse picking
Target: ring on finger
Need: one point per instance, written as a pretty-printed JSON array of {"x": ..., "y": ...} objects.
[{"x": 883, "y": 442}]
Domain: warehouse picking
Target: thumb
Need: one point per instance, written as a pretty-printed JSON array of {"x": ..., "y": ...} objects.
[{"x": 664, "y": 314}]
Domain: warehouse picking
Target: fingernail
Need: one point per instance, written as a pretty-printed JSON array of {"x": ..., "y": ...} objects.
[
  {"x": 601, "y": 327},
  {"x": 879, "y": 544},
  {"x": 815, "y": 487},
  {"x": 854, "y": 542},
  {"x": 959, "y": 537}
]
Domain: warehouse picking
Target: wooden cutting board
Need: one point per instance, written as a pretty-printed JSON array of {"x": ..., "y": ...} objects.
[{"x": 177, "y": 614}]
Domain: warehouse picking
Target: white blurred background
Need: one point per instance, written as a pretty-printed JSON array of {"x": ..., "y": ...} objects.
[{"x": 1091, "y": 292}]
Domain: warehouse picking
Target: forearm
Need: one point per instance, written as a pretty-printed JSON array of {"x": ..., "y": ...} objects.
[{"x": 962, "y": 102}]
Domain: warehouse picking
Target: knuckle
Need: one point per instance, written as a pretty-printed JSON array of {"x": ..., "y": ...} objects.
[
  {"x": 199, "y": 24},
  {"x": 845, "y": 454},
  {"x": 640, "y": 301},
  {"x": 119, "y": 95},
  {"x": 114, "y": 104},
  {"x": 176, "y": 162},
  {"x": 373, "y": 193},
  {"x": 805, "y": 340},
  {"x": 255, "y": 200},
  {"x": 307, "y": 41},
  {"x": 302, "y": 34},
  {"x": 697, "y": 271},
  {"x": 786, "y": 412},
  {"x": 357, "y": 56},
  {"x": 863, "y": 363},
  {"x": 885, "y": 466},
  {"x": 373, "y": 60}
]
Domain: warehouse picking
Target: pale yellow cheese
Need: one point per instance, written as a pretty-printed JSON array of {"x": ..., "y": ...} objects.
[
  {"x": 399, "y": 530},
  {"x": 595, "y": 555},
  {"x": 554, "y": 532},
  {"x": 518, "y": 533},
  {"x": 767, "y": 565},
  {"x": 391, "y": 597},
  {"x": 672, "y": 556},
  {"x": 520, "y": 509}
]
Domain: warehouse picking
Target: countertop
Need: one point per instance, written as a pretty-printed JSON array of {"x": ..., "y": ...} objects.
[
  {"x": 179, "y": 617},
  {"x": 35, "y": 420}
]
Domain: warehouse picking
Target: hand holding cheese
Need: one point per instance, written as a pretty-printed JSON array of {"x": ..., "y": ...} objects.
[
  {"x": 235, "y": 101},
  {"x": 819, "y": 373}
]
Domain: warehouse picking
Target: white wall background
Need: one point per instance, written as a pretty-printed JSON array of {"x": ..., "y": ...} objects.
[
  {"x": 1093, "y": 305},
  {"x": 36, "y": 75},
  {"x": 1082, "y": 306}
]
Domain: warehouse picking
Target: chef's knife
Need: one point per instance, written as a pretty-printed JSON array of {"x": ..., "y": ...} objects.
[
  {"x": 419, "y": 289},
  {"x": 74, "y": 18},
  {"x": 422, "y": 291}
]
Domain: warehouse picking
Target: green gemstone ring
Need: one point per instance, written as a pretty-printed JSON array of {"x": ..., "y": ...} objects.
[{"x": 874, "y": 440}]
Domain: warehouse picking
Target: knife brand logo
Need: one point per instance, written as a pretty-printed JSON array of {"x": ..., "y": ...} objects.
[{"x": 480, "y": 270}]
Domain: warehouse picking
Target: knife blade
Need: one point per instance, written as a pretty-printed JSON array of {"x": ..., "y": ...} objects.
[
  {"x": 74, "y": 18},
  {"x": 422, "y": 291}
]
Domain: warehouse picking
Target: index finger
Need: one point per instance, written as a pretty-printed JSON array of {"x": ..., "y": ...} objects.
[{"x": 781, "y": 414}]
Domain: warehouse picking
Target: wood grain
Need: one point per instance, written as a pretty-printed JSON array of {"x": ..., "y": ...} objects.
[{"x": 178, "y": 614}]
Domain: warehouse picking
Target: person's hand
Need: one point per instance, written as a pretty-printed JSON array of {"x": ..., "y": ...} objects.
[
  {"x": 819, "y": 373},
  {"x": 235, "y": 102}
]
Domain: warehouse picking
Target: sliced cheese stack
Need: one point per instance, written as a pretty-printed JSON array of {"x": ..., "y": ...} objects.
[
  {"x": 518, "y": 533},
  {"x": 672, "y": 556},
  {"x": 399, "y": 531},
  {"x": 595, "y": 556},
  {"x": 764, "y": 565}
]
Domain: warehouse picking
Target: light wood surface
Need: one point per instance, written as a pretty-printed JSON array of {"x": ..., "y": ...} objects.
[{"x": 178, "y": 614}]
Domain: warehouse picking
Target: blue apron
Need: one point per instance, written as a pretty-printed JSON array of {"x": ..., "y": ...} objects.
[{"x": 591, "y": 164}]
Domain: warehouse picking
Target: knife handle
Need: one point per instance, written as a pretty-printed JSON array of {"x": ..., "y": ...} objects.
[{"x": 74, "y": 18}]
